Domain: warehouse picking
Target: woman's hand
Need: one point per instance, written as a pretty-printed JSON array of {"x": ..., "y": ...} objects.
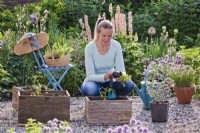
[{"x": 107, "y": 75}]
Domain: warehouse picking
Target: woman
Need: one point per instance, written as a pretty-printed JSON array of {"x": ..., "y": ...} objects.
[{"x": 102, "y": 57}]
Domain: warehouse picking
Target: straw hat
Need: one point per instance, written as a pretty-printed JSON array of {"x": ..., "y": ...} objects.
[{"x": 23, "y": 46}]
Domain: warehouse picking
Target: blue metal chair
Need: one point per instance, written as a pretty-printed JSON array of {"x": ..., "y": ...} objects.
[{"x": 51, "y": 73}]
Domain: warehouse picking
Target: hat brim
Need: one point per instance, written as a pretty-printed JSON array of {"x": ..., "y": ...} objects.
[{"x": 23, "y": 45}]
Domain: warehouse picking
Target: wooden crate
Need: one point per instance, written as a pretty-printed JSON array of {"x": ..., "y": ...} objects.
[
  {"x": 15, "y": 95},
  {"x": 98, "y": 111},
  {"x": 55, "y": 104}
]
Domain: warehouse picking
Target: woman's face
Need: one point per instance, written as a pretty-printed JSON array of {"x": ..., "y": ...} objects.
[{"x": 105, "y": 36}]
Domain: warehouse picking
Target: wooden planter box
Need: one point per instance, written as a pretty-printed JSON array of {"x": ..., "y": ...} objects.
[
  {"x": 15, "y": 95},
  {"x": 49, "y": 105},
  {"x": 99, "y": 111}
]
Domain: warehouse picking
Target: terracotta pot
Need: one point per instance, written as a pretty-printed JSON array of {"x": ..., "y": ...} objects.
[
  {"x": 184, "y": 95},
  {"x": 159, "y": 111}
]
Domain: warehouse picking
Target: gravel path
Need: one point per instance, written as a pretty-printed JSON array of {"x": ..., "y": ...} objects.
[{"x": 182, "y": 118}]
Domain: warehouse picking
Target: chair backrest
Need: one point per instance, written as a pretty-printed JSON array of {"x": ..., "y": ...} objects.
[{"x": 38, "y": 56}]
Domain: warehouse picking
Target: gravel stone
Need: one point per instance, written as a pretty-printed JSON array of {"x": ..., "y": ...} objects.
[{"x": 182, "y": 118}]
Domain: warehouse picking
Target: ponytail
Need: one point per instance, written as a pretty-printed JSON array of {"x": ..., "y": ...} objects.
[{"x": 101, "y": 23}]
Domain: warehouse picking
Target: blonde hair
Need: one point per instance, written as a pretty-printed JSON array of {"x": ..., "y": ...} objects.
[{"x": 101, "y": 23}]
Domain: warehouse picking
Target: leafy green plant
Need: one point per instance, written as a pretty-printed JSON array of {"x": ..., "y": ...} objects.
[
  {"x": 192, "y": 57},
  {"x": 6, "y": 83},
  {"x": 32, "y": 126},
  {"x": 123, "y": 78},
  {"x": 37, "y": 89},
  {"x": 57, "y": 51}
]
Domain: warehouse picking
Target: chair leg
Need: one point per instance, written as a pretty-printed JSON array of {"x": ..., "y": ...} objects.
[{"x": 51, "y": 77}]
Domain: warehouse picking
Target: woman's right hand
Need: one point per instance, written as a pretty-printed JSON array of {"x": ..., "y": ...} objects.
[{"x": 107, "y": 75}]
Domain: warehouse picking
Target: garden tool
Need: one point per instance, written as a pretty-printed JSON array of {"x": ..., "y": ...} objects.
[{"x": 112, "y": 92}]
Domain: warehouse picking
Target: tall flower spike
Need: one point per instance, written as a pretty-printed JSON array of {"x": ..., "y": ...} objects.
[
  {"x": 110, "y": 10},
  {"x": 130, "y": 27},
  {"x": 136, "y": 37}
]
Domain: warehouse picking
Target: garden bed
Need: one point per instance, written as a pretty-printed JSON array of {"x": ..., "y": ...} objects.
[
  {"x": 46, "y": 106},
  {"x": 115, "y": 111}
]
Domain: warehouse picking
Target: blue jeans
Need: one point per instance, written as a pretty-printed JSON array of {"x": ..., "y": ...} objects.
[{"x": 91, "y": 88}]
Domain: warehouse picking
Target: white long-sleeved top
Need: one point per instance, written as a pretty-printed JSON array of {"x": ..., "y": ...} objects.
[{"x": 97, "y": 65}]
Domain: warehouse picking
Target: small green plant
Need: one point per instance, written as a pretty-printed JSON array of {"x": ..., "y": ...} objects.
[
  {"x": 37, "y": 89},
  {"x": 123, "y": 78},
  {"x": 105, "y": 92},
  {"x": 32, "y": 126}
]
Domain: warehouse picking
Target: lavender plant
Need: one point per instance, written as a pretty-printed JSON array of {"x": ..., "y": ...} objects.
[{"x": 135, "y": 126}]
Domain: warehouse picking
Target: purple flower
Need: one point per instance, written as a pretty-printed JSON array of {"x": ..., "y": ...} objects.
[
  {"x": 54, "y": 125},
  {"x": 140, "y": 130},
  {"x": 46, "y": 11},
  {"x": 46, "y": 129},
  {"x": 145, "y": 130},
  {"x": 119, "y": 129},
  {"x": 132, "y": 121},
  {"x": 54, "y": 128},
  {"x": 62, "y": 123},
  {"x": 68, "y": 129},
  {"x": 109, "y": 130},
  {"x": 55, "y": 120},
  {"x": 33, "y": 18},
  {"x": 50, "y": 122},
  {"x": 133, "y": 130},
  {"x": 125, "y": 127},
  {"x": 138, "y": 122}
]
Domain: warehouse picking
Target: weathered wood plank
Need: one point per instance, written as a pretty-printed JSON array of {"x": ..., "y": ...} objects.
[
  {"x": 98, "y": 111},
  {"x": 44, "y": 107}
]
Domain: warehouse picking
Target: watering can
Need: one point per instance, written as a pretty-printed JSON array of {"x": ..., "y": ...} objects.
[{"x": 145, "y": 97}]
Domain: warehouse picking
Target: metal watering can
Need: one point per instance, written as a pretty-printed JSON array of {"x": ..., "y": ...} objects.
[{"x": 145, "y": 97}]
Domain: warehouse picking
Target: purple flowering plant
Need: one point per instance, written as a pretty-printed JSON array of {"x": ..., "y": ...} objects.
[
  {"x": 52, "y": 126},
  {"x": 167, "y": 72},
  {"x": 135, "y": 126},
  {"x": 182, "y": 75},
  {"x": 57, "y": 126}
]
